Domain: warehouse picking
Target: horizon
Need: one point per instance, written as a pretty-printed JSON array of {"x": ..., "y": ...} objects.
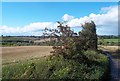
[{"x": 41, "y": 35}]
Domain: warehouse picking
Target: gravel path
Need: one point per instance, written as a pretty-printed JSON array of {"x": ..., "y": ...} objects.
[
  {"x": 115, "y": 69},
  {"x": 114, "y": 61}
]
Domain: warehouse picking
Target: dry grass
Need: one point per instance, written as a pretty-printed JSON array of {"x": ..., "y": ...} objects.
[
  {"x": 41, "y": 40},
  {"x": 113, "y": 51},
  {"x": 13, "y": 54},
  {"x": 111, "y": 48}
]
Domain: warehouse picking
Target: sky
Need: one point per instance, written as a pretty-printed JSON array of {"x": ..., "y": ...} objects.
[
  {"x": 60, "y": 0},
  {"x": 29, "y": 18}
]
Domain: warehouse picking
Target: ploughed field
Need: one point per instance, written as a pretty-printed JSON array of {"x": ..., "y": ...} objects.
[{"x": 17, "y": 53}]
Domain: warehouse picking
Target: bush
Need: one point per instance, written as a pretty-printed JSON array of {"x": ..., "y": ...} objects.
[{"x": 57, "y": 67}]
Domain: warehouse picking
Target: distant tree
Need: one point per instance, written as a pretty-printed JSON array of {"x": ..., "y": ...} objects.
[{"x": 1, "y": 35}]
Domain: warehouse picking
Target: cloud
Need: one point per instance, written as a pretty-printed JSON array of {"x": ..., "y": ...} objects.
[
  {"x": 33, "y": 28},
  {"x": 106, "y": 21},
  {"x": 67, "y": 17},
  {"x": 109, "y": 17}
]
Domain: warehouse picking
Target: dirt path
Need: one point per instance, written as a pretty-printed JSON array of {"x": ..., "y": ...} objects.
[
  {"x": 114, "y": 63},
  {"x": 12, "y": 54}
]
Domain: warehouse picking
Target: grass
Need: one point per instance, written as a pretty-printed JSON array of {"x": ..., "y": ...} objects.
[
  {"x": 57, "y": 67},
  {"x": 109, "y": 40}
]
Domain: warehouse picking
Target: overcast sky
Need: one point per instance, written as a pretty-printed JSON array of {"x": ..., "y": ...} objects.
[{"x": 29, "y": 18}]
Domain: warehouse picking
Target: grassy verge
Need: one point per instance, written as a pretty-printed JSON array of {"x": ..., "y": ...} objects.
[{"x": 92, "y": 68}]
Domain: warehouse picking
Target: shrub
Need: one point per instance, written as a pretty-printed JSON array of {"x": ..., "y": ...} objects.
[{"x": 57, "y": 67}]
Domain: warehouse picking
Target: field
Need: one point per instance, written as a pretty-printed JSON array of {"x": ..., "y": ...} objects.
[
  {"x": 16, "y": 53},
  {"x": 25, "y": 62},
  {"x": 109, "y": 42},
  {"x": 111, "y": 48}
]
